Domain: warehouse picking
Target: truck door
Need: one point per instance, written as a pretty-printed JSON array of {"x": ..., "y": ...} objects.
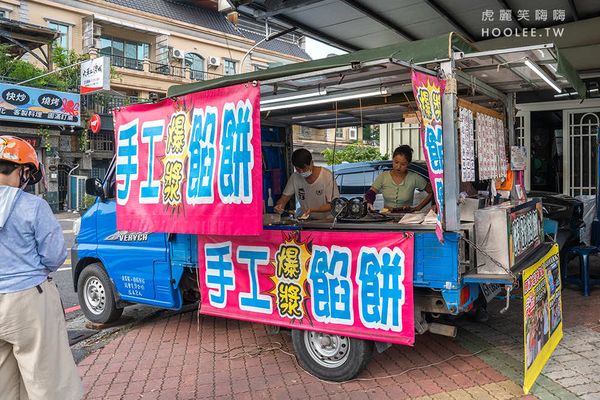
[{"x": 137, "y": 262}]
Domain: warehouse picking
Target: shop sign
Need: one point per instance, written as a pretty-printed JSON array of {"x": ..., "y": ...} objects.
[
  {"x": 339, "y": 283},
  {"x": 542, "y": 314},
  {"x": 428, "y": 91},
  {"x": 95, "y": 75},
  {"x": 191, "y": 165},
  {"x": 38, "y": 106},
  {"x": 95, "y": 123},
  {"x": 526, "y": 232}
]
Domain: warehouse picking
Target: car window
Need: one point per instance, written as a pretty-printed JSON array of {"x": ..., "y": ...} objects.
[{"x": 355, "y": 184}]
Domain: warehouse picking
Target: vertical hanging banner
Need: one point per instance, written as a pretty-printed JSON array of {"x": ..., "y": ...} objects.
[
  {"x": 339, "y": 283},
  {"x": 542, "y": 313},
  {"x": 428, "y": 91},
  {"x": 467, "y": 145},
  {"x": 191, "y": 165}
]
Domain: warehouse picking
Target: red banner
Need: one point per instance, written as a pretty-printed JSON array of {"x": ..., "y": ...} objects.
[
  {"x": 191, "y": 165},
  {"x": 343, "y": 283},
  {"x": 428, "y": 91}
]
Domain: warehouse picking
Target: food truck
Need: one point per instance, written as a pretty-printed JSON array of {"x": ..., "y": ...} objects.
[{"x": 183, "y": 214}]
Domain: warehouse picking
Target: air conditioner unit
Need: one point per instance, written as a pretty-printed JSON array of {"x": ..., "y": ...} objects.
[
  {"x": 177, "y": 53},
  {"x": 214, "y": 62}
]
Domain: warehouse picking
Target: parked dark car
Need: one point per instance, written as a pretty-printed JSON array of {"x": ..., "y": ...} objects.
[{"x": 354, "y": 179}]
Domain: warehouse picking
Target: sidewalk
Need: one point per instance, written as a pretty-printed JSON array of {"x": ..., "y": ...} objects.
[{"x": 185, "y": 357}]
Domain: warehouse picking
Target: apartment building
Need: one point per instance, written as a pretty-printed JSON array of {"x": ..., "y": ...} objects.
[{"x": 152, "y": 44}]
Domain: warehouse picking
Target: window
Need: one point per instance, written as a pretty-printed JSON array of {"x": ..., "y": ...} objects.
[
  {"x": 305, "y": 132},
  {"x": 124, "y": 53},
  {"x": 229, "y": 67},
  {"x": 3, "y": 13},
  {"x": 352, "y": 133},
  {"x": 339, "y": 133},
  {"x": 195, "y": 62},
  {"x": 63, "y": 30}
]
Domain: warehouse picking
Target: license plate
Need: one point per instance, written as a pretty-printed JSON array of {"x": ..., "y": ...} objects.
[{"x": 490, "y": 290}]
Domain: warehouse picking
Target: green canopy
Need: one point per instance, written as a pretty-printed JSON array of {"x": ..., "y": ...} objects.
[
  {"x": 437, "y": 48},
  {"x": 432, "y": 49},
  {"x": 565, "y": 69}
]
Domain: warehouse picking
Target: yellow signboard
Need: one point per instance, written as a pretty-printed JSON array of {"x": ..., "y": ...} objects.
[{"x": 542, "y": 313}]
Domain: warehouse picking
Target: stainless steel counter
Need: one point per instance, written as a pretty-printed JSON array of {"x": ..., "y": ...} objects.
[{"x": 328, "y": 224}]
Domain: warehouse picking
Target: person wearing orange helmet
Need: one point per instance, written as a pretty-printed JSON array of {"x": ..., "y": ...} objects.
[{"x": 35, "y": 357}]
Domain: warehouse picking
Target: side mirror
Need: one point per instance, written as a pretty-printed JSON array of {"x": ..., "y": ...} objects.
[{"x": 93, "y": 187}]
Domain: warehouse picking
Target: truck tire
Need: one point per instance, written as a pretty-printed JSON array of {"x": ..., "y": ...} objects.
[
  {"x": 331, "y": 357},
  {"x": 96, "y": 295}
]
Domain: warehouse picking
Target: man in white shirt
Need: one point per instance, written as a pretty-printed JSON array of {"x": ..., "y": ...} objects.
[{"x": 314, "y": 187}]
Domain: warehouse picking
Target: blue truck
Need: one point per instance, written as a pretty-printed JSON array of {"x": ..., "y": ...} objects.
[
  {"x": 112, "y": 269},
  {"x": 486, "y": 249}
]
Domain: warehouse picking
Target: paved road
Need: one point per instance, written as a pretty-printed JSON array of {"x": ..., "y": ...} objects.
[
  {"x": 62, "y": 277},
  {"x": 84, "y": 337}
]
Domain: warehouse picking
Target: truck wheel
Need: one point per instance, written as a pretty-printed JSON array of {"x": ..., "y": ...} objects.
[
  {"x": 331, "y": 357},
  {"x": 96, "y": 295}
]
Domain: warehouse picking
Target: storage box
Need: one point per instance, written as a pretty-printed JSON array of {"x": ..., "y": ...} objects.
[
  {"x": 467, "y": 208},
  {"x": 507, "y": 233}
]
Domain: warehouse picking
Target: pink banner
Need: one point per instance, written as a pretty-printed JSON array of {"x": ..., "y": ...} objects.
[
  {"x": 191, "y": 165},
  {"x": 428, "y": 91},
  {"x": 343, "y": 283}
]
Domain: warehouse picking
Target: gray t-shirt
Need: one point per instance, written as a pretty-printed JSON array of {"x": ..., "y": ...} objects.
[{"x": 313, "y": 195}]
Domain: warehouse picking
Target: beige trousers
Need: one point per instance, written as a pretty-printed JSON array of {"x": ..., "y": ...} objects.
[{"x": 35, "y": 358}]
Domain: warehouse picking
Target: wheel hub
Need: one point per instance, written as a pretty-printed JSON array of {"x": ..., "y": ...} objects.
[
  {"x": 328, "y": 350},
  {"x": 95, "y": 295}
]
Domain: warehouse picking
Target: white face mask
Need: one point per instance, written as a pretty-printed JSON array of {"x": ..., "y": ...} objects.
[{"x": 305, "y": 174}]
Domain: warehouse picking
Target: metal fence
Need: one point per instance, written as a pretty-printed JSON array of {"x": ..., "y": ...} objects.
[
  {"x": 103, "y": 103},
  {"x": 125, "y": 62},
  {"x": 102, "y": 141}
]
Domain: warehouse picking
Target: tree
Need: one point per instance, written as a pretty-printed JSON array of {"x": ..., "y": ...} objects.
[
  {"x": 353, "y": 153},
  {"x": 16, "y": 70},
  {"x": 371, "y": 133}
]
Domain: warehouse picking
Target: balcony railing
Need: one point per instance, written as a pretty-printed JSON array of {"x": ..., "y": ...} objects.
[
  {"x": 102, "y": 103},
  {"x": 158, "y": 68},
  {"x": 125, "y": 62},
  {"x": 197, "y": 75}
]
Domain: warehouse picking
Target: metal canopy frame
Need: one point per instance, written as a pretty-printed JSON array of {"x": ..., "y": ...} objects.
[
  {"x": 24, "y": 38},
  {"x": 394, "y": 74}
]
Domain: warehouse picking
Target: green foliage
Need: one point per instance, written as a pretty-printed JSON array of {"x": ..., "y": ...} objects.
[
  {"x": 15, "y": 70},
  {"x": 67, "y": 79},
  {"x": 371, "y": 133},
  {"x": 43, "y": 131},
  {"x": 88, "y": 201},
  {"x": 353, "y": 153},
  {"x": 84, "y": 140},
  {"x": 63, "y": 58}
]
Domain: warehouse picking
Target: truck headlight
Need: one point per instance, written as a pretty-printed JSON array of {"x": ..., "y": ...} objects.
[{"x": 76, "y": 226}]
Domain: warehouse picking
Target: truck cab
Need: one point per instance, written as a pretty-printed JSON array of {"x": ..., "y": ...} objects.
[{"x": 113, "y": 268}]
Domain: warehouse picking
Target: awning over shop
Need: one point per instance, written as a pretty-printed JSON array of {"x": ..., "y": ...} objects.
[
  {"x": 418, "y": 52},
  {"x": 23, "y": 38},
  {"x": 373, "y": 86}
]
